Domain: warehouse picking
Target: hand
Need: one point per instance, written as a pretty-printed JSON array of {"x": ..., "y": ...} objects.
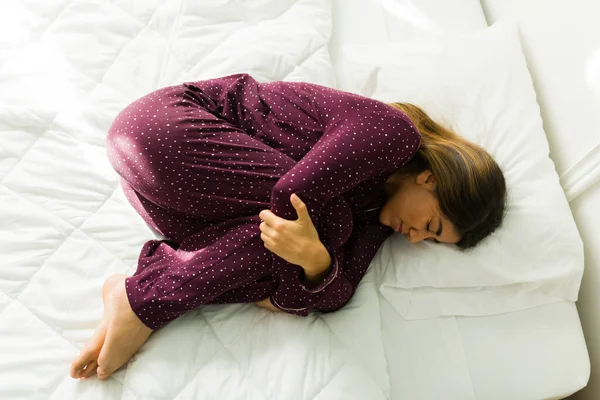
[
  {"x": 266, "y": 304},
  {"x": 294, "y": 241}
]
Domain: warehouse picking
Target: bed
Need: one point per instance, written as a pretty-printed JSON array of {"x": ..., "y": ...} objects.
[{"x": 66, "y": 69}]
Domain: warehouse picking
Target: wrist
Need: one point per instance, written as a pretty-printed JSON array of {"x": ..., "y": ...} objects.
[{"x": 319, "y": 263}]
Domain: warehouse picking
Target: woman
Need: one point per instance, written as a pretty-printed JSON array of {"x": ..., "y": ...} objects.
[{"x": 277, "y": 194}]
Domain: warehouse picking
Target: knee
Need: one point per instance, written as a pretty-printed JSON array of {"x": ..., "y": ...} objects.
[
  {"x": 133, "y": 150},
  {"x": 123, "y": 142},
  {"x": 139, "y": 134}
]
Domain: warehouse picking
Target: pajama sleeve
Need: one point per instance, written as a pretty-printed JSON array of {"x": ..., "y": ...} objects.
[{"x": 361, "y": 139}]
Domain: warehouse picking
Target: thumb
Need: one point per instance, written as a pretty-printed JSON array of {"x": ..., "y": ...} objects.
[{"x": 299, "y": 206}]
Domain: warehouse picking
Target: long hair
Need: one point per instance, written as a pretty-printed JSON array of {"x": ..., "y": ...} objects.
[{"x": 471, "y": 189}]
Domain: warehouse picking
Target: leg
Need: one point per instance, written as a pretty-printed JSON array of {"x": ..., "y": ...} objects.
[
  {"x": 226, "y": 263},
  {"x": 189, "y": 168},
  {"x": 201, "y": 182},
  {"x": 171, "y": 224}
]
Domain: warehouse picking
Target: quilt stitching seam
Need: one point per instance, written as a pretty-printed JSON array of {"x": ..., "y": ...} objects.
[
  {"x": 209, "y": 324},
  {"x": 351, "y": 355},
  {"x": 22, "y": 156},
  {"x": 69, "y": 223}
]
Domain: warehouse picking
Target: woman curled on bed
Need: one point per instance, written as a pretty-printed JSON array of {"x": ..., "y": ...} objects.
[{"x": 277, "y": 194}]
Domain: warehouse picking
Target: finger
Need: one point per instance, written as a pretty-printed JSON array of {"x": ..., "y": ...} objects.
[
  {"x": 300, "y": 207},
  {"x": 269, "y": 237},
  {"x": 275, "y": 228},
  {"x": 268, "y": 217},
  {"x": 267, "y": 230},
  {"x": 267, "y": 241}
]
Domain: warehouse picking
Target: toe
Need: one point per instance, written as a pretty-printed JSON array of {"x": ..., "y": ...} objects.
[
  {"x": 104, "y": 358},
  {"x": 90, "y": 351},
  {"x": 102, "y": 373},
  {"x": 81, "y": 361},
  {"x": 90, "y": 369}
]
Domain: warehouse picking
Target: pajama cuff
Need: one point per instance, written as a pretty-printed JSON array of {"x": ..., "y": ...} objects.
[
  {"x": 296, "y": 302},
  {"x": 302, "y": 311},
  {"x": 136, "y": 302},
  {"x": 328, "y": 279}
]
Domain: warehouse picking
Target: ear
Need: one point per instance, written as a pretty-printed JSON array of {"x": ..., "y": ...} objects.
[{"x": 426, "y": 178}]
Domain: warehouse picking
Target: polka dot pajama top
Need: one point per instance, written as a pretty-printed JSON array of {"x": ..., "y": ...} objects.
[{"x": 199, "y": 161}]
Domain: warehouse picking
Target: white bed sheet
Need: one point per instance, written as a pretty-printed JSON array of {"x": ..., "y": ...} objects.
[{"x": 534, "y": 354}]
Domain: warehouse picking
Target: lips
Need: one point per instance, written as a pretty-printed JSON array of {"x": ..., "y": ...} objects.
[{"x": 398, "y": 228}]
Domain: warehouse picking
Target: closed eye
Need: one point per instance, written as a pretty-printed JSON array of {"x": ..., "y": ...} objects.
[{"x": 431, "y": 240}]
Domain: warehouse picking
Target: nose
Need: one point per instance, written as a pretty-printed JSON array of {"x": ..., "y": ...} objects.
[{"x": 416, "y": 235}]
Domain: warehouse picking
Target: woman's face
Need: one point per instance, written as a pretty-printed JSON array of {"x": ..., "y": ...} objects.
[{"x": 412, "y": 203}]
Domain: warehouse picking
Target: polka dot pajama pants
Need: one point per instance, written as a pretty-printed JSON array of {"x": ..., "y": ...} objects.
[{"x": 201, "y": 182}]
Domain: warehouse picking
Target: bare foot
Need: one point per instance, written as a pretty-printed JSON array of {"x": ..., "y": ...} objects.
[
  {"x": 85, "y": 364},
  {"x": 125, "y": 333}
]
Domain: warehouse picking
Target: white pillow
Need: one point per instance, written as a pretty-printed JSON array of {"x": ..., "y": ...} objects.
[{"x": 479, "y": 84}]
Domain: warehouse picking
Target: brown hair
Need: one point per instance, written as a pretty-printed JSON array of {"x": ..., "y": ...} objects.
[{"x": 471, "y": 189}]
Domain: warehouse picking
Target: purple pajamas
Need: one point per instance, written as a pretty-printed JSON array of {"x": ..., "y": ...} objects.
[{"x": 199, "y": 161}]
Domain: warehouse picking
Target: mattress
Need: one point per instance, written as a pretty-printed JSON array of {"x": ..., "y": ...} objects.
[{"x": 538, "y": 353}]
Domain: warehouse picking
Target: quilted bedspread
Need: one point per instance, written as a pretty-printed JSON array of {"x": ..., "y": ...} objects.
[{"x": 67, "y": 67}]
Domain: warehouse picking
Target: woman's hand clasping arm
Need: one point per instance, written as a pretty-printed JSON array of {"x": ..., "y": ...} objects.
[{"x": 297, "y": 241}]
